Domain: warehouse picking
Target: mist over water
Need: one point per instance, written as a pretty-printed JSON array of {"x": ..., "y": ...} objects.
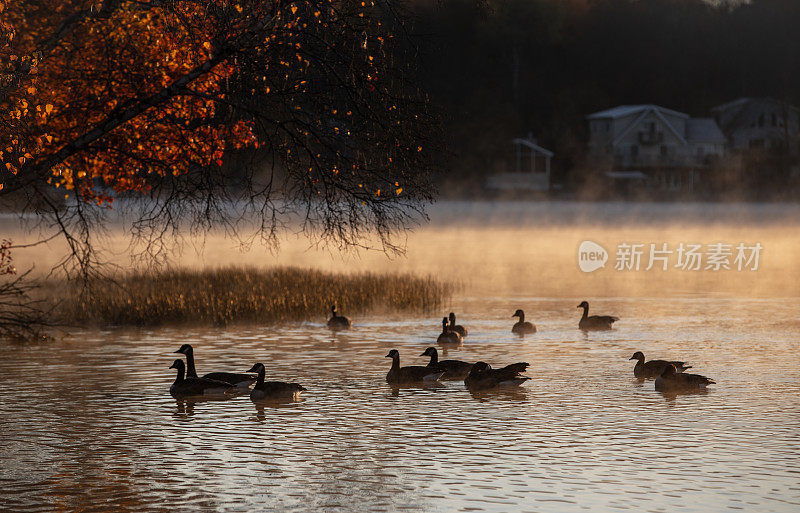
[
  {"x": 530, "y": 248},
  {"x": 88, "y": 424}
]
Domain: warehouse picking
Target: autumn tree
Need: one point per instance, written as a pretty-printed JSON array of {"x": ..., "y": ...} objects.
[
  {"x": 196, "y": 115},
  {"x": 193, "y": 115}
]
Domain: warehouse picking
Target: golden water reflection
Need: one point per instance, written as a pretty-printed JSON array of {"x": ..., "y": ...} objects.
[{"x": 98, "y": 430}]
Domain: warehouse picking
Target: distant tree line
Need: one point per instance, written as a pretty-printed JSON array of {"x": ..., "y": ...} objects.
[{"x": 500, "y": 69}]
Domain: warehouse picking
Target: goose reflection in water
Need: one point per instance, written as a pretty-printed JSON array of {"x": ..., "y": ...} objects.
[
  {"x": 184, "y": 408},
  {"x": 671, "y": 395},
  {"x": 510, "y": 394},
  {"x": 264, "y": 405}
]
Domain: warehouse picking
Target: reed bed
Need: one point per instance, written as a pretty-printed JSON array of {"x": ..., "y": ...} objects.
[{"x": 241, "y": 295}]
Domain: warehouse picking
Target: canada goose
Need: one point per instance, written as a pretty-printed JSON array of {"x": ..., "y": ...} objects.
[
  {"x": 272, "y": 389},
  {"x": 522, "y": 327},
  {"x": 482, "y": 376},
  {"x": 670, "y": 379},
  {"x": 447, "y": 336},
  {"x": 338, "y": 322},
  {"x": 653, "y": 368},
  {"x": 595, "y": 322},
  {"x": 411, "y": 373},
  {"x": 461, "y": 330},
  {"x": 231, "y": 378},
  {"x": 453, "y": 369},
  {"x": 194, "y": 386}
]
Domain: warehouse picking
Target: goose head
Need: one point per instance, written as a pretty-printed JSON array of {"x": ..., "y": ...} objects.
[
  {"x": 185, "y": 349},
  {"x": 444, "y": 323},
  {"x": 431, "y": 351},
  {"x": 393, "y": 354},
  {"x": 257, "y": 367},
  {"x": 638, "y": 355},
  {"x": 333, "y": 310},
  {"x": 479, "y": 367},
  {"x": 669, "y": 370},
  {"x": 178, "y": 364},
  {"x": 452, "y": 318},
  {"x": 583, "y": 304},
  {"x": 518, "y": 313}
]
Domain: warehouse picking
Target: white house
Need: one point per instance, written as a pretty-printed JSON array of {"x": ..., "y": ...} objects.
[
  {"x": 531, "y": 170},
  {"x": 759, "y": 123},
  {"x": 665, "y": 145}
]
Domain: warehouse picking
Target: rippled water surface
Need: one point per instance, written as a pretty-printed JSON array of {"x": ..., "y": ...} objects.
[{"x": 87, "y": 422}]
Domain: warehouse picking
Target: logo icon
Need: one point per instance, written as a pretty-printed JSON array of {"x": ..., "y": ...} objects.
[{"x": 591, "y": 256}]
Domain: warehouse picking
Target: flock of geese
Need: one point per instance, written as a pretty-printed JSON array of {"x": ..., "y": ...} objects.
[{"x": 669, "y": 375}]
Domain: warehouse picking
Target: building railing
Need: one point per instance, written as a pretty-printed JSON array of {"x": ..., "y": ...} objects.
[{"x": 663, "y": 160}]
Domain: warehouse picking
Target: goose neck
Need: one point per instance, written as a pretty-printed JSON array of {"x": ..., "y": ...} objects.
[
  {"x": 179, "y": 377},
  {"x": 191, "y": 372}
]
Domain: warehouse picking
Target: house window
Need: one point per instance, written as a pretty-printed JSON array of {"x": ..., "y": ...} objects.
[
  {"x": 756, "y": 143},
  {"x": 761, "y": 120},
  {"x": 664, "y": 150},
  {"x": 774, "y": 119},
  {"x": 634, "y": 151},
  {"x": 700, "y": 151}
]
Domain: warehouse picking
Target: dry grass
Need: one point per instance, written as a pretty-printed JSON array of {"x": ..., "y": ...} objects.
[{"x": 241, "y": 295}]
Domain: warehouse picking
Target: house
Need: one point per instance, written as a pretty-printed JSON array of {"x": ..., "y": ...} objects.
[
  {"x": 531, "y": 169},
  {"x": 667, "y": 146},
  {"x": 759, "y": 123}
]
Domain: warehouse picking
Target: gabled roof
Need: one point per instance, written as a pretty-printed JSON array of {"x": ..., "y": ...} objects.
[
  {"x": 643, "y": 114},
  {"x": 745, "y": 101},
  {"x": 533, "y": 146},
  {"x": 737, "y": 103},
  {"x": 627, "y": 110},
  {"x": 703, "y": 130},
  {"x": 737, "y": 113}
]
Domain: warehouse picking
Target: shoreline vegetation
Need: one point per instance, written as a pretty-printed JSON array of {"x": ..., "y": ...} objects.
[{"x": 237, "y": 295}]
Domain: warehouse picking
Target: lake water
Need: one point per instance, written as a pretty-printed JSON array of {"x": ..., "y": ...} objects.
[{"x": 87, "y": 422}]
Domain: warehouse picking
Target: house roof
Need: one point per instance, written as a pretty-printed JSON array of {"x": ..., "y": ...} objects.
[
  {"x": 627, "y": 110},
  {"x": 643, "y": 114},
  {"x": 738, "y": 112},
  {"x": 737, "y": 103},
  {"x": 533, "y": 146},
  {"x": 703, "y": 130}
]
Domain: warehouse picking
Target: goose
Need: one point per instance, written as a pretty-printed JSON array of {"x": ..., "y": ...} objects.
[
  {"x": 670, "y": 379},
  {"x": 447, "y": 336},
  {"x": 411, "y": 373},
  {"x": 453, "y": 369},
  {"x": 272, "y": 389},
  {"x": 231, "y": 378},
  {"x": 595, "y": 322},
  {"x": 338, "y": 322},
  {"x": 194, "y": 386},
  {"x": 461, "y": 330},
  {"x": 653, "y": 368},
  {"x": 522, "y": 327},
  {"x": 482, "y": 376}
]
